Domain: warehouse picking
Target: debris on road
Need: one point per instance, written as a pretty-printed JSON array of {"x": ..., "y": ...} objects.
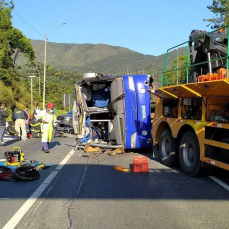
[
  {"x": 119, "y": 150},
  {"x": 90, "y": 149},
  {"x": 140, "y": 164},
  {"x": 120, "y": 168},
  {"x": 17, "y": 168}
]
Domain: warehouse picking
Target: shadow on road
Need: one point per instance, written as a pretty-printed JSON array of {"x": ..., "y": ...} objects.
[
  {"x": 91, "y": 180},
  {"x": 9, "y": 142},
  {"x": 53, "y": 144}
]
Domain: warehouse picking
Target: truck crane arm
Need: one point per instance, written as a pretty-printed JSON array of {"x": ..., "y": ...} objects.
[{"x": 207, "y": 47}]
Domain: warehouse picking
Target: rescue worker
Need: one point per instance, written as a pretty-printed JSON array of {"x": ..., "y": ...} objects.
[
  {"x": 19, "y": 116},
  {"x": 47, "y": 118},
  {"x": 27, "y": 120},
  {"x": 3, "y": 115}
]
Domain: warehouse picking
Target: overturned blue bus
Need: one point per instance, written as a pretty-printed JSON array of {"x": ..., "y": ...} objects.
[{"x": 113, "y": 111}]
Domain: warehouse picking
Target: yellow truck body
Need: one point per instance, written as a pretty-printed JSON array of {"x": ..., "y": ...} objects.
[{"x": 190, "y": 123}]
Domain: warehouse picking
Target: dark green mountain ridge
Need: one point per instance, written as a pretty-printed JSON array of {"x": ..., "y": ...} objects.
[{"x": 103, "y": 58}]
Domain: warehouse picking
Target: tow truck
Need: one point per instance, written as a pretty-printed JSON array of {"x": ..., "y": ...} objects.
[{"x": 190, "y": 127}]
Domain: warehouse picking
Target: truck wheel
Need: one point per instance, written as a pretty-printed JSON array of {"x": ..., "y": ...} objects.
[
  {"x": 189, "y": 154},
  {"x": 156, "y": 153},
  {"x": 168, "y": 149}
]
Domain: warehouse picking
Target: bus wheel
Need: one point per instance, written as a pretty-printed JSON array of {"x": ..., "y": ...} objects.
[
  {"x": 189, "y": 154},
  {"x": 168, "y": 149}
]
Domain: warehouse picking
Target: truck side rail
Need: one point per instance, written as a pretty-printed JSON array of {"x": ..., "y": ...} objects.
[{"x": 165, "y": 81}]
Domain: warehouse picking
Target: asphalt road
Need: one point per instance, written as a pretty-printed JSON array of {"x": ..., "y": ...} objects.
[{"x": 84, "y": 191}]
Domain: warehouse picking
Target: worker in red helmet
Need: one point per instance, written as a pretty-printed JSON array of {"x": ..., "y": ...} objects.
[{"x": 47, "y": 117}]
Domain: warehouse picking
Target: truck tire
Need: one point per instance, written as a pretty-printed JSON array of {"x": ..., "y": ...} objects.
[
  {"x": 156, "y": 153},
  {"x": 168, "y": 149},
  {"x": 189, "y": 154}
]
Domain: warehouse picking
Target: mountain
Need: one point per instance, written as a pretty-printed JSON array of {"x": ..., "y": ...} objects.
[{"x": 102, "y": 58}]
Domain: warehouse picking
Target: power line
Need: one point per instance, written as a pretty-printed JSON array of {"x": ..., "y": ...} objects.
[
  {"x": 28, "y": 24},
  {"x": 65, "y": 68}
]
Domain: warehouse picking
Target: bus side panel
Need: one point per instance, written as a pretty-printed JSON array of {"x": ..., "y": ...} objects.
[
  {"x": 130, "y": 112},
  {"x": 137, "y": 112},
  {"x": 144, "y": 112}
]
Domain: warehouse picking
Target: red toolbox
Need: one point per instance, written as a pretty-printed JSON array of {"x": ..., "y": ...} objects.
[{"x": 140, "y": 164}]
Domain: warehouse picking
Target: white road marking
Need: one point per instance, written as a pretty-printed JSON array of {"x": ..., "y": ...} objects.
[
  {"x": 220, "y": 182},
  {"x": 5, "y": 139},
  {"x": 12, "y": 223}
]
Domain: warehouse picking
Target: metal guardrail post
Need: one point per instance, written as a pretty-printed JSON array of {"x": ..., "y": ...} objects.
[
  {"x": 227, "y": 49},
  {"x": 188, "y": 62}
]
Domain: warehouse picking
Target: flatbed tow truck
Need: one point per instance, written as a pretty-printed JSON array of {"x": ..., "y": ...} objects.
[{"x": 191, "y": 120}]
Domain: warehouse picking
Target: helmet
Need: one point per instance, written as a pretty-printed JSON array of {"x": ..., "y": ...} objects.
[{"x": 50, "y": 105}]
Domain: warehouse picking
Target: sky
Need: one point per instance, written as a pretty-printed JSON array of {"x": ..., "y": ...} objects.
[{"x": 145, "y": 26}]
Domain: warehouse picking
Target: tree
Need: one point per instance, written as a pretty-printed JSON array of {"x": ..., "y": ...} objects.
[
  {"x": 221, "y": 10},
  {"x": 12, "y": 42},
  {"x": 171, "y": 76}
]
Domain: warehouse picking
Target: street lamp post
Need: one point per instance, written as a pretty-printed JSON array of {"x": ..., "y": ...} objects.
[
  {"x": 39, "y": 84},
  {"x": 177, "y": 65},
  {"x": 31, "y": 77},
  {"x": 44, "y": 74},
  {"x": 46, "y": 39}
]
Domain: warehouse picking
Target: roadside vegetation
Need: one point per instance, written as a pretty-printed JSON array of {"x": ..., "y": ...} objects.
[{"x": 14, "y": 80}]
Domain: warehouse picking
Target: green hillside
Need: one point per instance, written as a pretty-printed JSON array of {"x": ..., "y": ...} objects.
[
  {"x": 91, "y": 58},
  {"x": 106, "y": 59}
]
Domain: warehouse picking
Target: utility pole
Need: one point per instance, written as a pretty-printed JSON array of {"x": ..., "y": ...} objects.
[
  {"x": 68, "y": 102},
  {"x": 46, "y": 39},
  {"x": 64, "y": 101},
  {"x": 31, "y": 75},
  {"x": 44, "y": 73},
  {"x": 39, "y": 84}
]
